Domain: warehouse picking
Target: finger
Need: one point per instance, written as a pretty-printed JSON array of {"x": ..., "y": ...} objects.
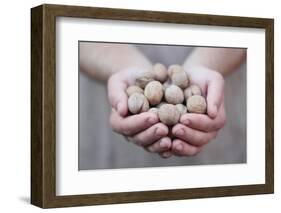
[
  {"x": 180, "y": 148},
  {"x": 150, "y": 135},
  {"x": 194, "y": 137},
  {"x": 160, "y": 146},
  {"x": 204, "y": 122},
  {"x": 215, "y": 92},
  {"x": 166, "y": 154},
  {"x": 132, "y": 124},
  {"x": 117, "y": 95}
]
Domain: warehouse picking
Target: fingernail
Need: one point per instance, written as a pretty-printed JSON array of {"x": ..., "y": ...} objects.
[
  {"x": 151, "y": 120},
  {"x": 186, "y": 121},
  {"x": 163, "y": 144},
  {"x": 158, "y": 131},
  {"x": 178, "y": 147},
  {"x": 179, "y": 132}
]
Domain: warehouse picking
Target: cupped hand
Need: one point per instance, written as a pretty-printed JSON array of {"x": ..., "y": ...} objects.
[
  {"x": 196, "y": 130},
  {"x": 143, "y": 129}
]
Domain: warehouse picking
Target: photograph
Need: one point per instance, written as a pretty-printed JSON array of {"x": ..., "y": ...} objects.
[
  {"x": 139, "y": 106},
  {"x": 158, "y": 105}
]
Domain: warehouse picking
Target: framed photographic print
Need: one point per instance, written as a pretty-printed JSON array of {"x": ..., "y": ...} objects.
[{"x": 136, "y": 106}]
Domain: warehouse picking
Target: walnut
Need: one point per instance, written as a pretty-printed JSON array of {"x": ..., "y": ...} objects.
[
  {"x": 154, "y": 110},
  {"x": 180, "y": 79},
  {"x": 192, "y": 90},
  {"x": 196, "y": 104},
  {"x": 137, "y": 103},
  {"x": 160, "y": 104},
  {"x": 144, "y": 79},
  {"x": 169, "y": 114},
  {"x": 174, "y": 95},
  {"x": 166, "y": 84},
  {"x": 175, "y": 68},
  {"x": 154, "y": 92},
  {"x": 182, "y": 109},
  {"x": 160, "y": 72},
  {"x": 134, "y": 89}
]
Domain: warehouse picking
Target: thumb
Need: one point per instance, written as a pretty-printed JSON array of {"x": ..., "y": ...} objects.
[
  {"x": 117, "y": 95},
  {"x": 215, "y": 95}
]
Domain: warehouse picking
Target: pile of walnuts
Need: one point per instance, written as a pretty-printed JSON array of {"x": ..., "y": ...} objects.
[{"x": 167, "y": 93}]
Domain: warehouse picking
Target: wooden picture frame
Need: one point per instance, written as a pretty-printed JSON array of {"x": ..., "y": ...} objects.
[{"x": 43, "y": 105}]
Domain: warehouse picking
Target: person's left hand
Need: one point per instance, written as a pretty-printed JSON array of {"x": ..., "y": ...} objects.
[
  {"x": 142, "y": 129},
  {"x": 196, "y": 130}
]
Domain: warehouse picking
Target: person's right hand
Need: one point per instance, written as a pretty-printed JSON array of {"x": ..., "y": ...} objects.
[
  {"x": 196, "y": 130},
  {"x": 143, "y": 129}
]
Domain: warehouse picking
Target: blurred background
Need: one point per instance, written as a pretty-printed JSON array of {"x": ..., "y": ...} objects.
[{"x": 101, "y": 148}]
